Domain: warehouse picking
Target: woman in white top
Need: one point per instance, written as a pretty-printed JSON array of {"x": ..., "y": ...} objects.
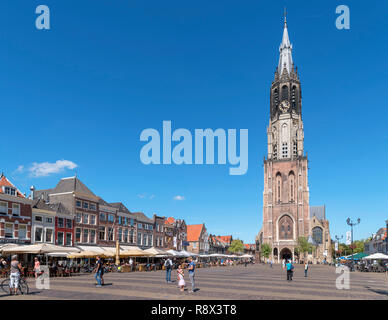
[{"x": 16, "y": 267}]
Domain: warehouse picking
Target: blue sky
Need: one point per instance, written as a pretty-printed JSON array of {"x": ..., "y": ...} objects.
[{"x": 84, "y": 90}]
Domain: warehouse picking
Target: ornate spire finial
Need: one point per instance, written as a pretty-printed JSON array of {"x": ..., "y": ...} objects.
[{"x": 285, "y": 15}]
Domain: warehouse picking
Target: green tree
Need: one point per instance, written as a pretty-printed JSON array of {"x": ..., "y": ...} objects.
[
  {"x": 236, "y": 246},
  {"x": 303, "y": 246},
  {"x": 266, "y": 250}
]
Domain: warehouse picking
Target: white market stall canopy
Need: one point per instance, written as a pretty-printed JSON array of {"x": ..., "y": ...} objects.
[
  {"x": 376, "y": 256},
  {"x": 176, "y": 253},
  {"x": 191, "y": 254},
  {"x": 158, "y": 252},
  {"x": 246, "y": 256},
  {"x": 38, "y": 248}
]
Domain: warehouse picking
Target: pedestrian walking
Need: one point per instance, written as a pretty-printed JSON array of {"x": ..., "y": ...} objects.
[
  {"x": 36, "y": 267},
  {"x": 306, "y": 268},
  {"x": 289, "y": 267},
  {"x": 168, "y": 267},
  {"x": 284, "y": 263},
  {"x": 98, "y": 270},
  {"x": 271, "y": 263},
  {"x": 131, "y": 264},
  {"x": 14, "y": 277},
  {"x": 192, "y": 274},
  {"x": 181, "y": 278}
]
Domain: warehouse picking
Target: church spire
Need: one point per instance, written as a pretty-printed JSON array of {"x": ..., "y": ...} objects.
[{"x": 285, "y": 50}]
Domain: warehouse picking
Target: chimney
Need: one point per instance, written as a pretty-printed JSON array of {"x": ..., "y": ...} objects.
[{"x": 32, "y": 189}]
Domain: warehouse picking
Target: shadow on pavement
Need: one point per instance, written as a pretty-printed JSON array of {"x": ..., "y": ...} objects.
[{"x": 384, "y": 292}]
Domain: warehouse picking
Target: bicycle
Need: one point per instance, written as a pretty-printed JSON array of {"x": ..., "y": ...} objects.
[{"x": 23, "y": 286}]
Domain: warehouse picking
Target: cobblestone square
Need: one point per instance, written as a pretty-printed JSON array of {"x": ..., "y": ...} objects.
[{"x": 254, "y": 282}]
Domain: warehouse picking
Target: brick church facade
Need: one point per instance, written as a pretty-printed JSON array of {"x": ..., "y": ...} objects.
[{"x": 286, "y": 211}]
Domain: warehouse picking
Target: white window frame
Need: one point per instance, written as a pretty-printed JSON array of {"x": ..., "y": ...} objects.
[
  {"x": 71, "y": 239},
  {"x": 104, "y": 233},
  {"x": 24, "y": 227},
  {"x": 52, "y": 235},
  {"x": 92, "y": 238},
  {"x": 42, "y": 234},
  {"x": 13, "y": 230},
  {"x": 4, "y": 204},
  {"x": 14, "y": 206},
  {"x": 63, "y": 238}
]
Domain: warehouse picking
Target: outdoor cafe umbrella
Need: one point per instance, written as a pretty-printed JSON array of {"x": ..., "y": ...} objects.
[
  {"x": 190, "y": 254},
  {"x": 175, "y": 253},
  {"x": 136, "y": 253},
  {"x": 158, "y": 252},
  {"x": 84, "y": 254},
  {"x": 376, "y": 256},
  {"x": 38, "y": 248}
]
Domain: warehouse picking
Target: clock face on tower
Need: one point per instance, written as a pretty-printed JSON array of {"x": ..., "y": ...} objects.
[{"x": 284, "y": 106}]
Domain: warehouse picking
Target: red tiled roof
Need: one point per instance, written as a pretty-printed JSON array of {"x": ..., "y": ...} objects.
[
  {"x": 194, "y": 231},
  {"x": 4, "y": 182},
  {"x": 169, "y": 220},
  {"x": 226, "y": 239}
]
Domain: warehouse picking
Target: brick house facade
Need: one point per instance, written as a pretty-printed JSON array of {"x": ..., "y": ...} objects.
[{"x": 15, "y": 214}]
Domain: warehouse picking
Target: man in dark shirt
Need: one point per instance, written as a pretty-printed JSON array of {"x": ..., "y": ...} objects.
[
  {"x": 192, "y": 274},
  {"x": 98, "y": 271}
]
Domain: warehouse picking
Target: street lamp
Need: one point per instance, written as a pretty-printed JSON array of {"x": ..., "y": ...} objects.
[
  {"x": 338, "y": 239},
  {"x": 352, "y": 223}
]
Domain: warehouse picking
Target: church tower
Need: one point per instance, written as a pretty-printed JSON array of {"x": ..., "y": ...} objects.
[{"x": 286, "y": 191}]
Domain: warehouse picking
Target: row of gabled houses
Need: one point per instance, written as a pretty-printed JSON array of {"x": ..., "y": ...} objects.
[{"x": 70, "y": 214}]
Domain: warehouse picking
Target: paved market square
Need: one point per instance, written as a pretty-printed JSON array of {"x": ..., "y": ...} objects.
[{"x": 254, "y": 282}]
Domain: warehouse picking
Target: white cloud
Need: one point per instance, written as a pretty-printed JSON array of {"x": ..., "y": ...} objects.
[
  {"x": 145, "y": 195},
  {"x": 19, "y": 169},
  {"x": 179, "y": 198},
  {"x": 46, "y": 168}
]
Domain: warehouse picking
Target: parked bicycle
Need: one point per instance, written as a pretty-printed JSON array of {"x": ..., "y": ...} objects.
[{"x": 22, "y": 288}]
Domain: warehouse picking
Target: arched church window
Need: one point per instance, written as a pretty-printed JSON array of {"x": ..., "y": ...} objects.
[
  {"x": 275, "y": 98},
  {"x": 285, "y": 228},
  {"x": 318, "y": 235},
  {"x": 284, "y": 93},
  {"x": 278, "y": 187},
  {"x": 295, "y": 150},
  {"x": 291, "y": 179},
  {"x": 294, "y": 97}
]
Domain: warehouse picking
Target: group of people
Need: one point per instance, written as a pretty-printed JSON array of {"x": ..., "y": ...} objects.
[
  {"x": 168, "y": 265},
  {"x": 16, "y": 270},
  {"x": 289, "y": 267}
]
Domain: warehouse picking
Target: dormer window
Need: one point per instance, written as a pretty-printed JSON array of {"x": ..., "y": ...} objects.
[{"x": 9, "y": 190}]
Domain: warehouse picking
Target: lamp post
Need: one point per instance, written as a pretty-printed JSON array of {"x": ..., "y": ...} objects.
[
  {"x": 352, "y": 223},
  {"x": 338, "y": 239}
]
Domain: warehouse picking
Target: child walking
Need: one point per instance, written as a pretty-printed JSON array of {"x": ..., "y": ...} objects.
[{"x": 181, "y": 279}]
